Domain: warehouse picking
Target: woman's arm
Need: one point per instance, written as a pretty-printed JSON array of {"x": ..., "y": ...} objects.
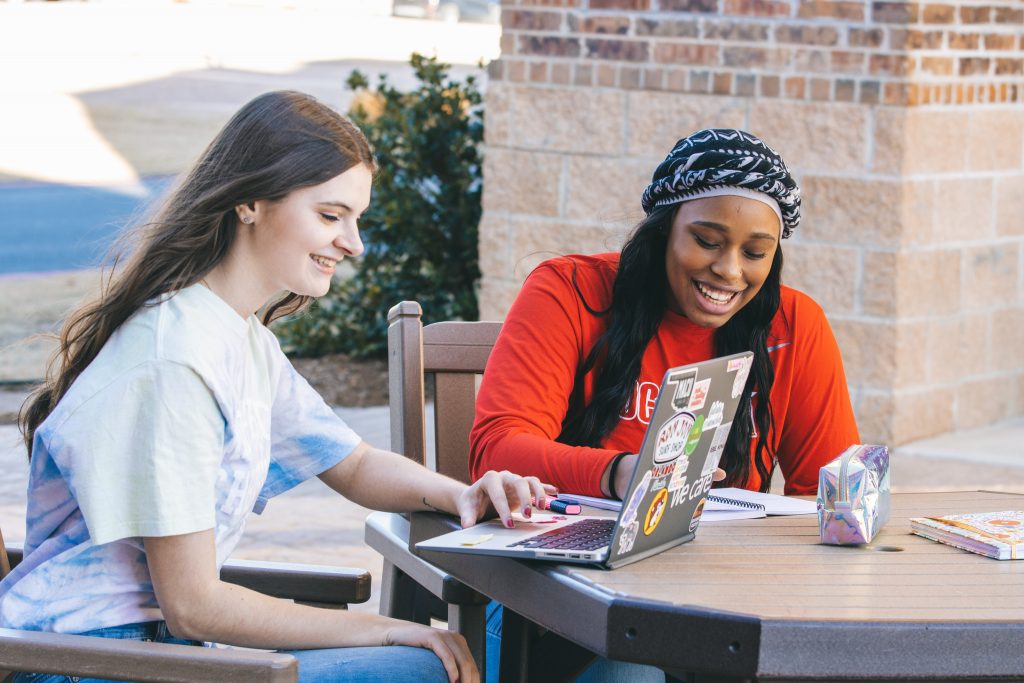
[
  {"x": 382, "y": 480},
  {"x": 199, "y": 606},
  {"x": 525, "y": 392}
]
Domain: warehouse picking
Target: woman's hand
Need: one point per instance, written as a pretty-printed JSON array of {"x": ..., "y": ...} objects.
[
  {"x": 501, "y": 493},
  {"x": 450, "y": 648}
]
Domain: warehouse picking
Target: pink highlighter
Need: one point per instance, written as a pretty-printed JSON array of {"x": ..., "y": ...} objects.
[{"x": 565, "y": 506}]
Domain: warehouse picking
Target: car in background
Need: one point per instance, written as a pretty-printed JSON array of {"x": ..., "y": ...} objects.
[{"x": 488, "y": 11}]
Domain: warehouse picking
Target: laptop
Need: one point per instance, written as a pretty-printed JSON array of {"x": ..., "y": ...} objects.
[{"x": 662, "y": 506}]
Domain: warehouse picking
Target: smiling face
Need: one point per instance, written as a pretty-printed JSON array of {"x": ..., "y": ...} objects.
[
  {"x": 718, "y": 255},
  {"x": 295, "y": 243}
]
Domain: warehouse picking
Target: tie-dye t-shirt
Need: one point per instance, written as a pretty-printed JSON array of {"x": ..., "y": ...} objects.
[{"x": 188, "y": 419}]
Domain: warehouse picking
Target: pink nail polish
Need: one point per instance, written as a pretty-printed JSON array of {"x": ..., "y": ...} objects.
[
  {"x": 510, "y": 524},
  {"x": 527, "y": 512}
]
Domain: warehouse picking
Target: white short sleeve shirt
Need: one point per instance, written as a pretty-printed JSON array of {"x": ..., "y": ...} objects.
[{"x": 188, "y": 419}]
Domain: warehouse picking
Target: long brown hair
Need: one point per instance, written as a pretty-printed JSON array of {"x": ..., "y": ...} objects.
[{"x": 277, "y": 143}]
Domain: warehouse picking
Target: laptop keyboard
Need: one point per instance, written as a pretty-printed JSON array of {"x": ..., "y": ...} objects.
[{"x": 586, "y": 534}]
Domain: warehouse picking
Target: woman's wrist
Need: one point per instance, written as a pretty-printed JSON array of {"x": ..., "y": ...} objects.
[{"x": 613, "y": 468}]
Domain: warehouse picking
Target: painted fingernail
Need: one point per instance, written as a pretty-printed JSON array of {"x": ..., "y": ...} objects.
[
  {"x": 527, "y": 512},
  {"x": 510, "y": 524}
]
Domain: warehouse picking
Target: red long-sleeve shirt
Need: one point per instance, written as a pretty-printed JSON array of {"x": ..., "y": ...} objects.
[{"x": 548, "y": 333}]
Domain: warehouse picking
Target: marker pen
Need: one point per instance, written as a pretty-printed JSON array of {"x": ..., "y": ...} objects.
[{"x": 565, "y": 506}]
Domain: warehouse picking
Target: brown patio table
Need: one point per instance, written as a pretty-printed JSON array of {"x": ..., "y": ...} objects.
[{"x": 763, "y": 600}]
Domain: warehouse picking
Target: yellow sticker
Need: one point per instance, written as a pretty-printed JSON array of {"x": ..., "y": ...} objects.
[
  {"x": 477, "y": 540},
  {"x": 655, "y": 512}
]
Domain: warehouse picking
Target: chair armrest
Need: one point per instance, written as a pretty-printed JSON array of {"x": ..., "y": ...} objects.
[
  {"x": 388, "y": 534},
  {"x": 303, "y": 582},
  {"x": 42, "y": 652}
]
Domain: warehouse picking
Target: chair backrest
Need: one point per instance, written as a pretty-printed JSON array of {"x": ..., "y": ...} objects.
[{"x": 455, "y": 353}]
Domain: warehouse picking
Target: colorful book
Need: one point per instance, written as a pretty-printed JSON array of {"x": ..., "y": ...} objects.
[{"x": 993, "y": 534}]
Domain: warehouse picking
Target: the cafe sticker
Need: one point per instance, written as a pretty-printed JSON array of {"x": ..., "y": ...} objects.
[
  {"x": 655, "y": 512},
  {"x": 671, "y": 439}
]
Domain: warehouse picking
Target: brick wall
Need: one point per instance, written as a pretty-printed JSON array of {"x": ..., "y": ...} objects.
[{"x": 903, "y": 121}]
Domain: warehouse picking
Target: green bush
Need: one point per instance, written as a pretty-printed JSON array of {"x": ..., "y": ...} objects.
[{"x": 420, "y": 230}]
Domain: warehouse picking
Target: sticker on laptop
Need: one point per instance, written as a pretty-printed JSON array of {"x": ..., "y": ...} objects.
[
  {"x": 681, "y": 384},
  {"x": 655, "y": 512},
  {"x": 678, "y": 479},
  {"x": 700, "y": 394},
  {"x": 694, "y": 436},
  {"x": 628, "y": 536},
  {"x": 715, "y": 415},
  {"x": 742, "y": 368},
  {"x": 696, "y": 515},
  {"x": 629, "y": 514},
  {"x": 717, "y": 446},
  {"x": 671, "y": 439},
  {"x": 476, "y": 540}
]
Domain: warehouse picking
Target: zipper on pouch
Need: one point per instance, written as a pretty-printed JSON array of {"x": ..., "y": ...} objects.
[{"x": 843, "y": 494}]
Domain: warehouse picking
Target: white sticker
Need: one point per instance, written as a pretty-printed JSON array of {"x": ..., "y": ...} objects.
[
  {"x": 700, "y": 394},
  {"x": 672, "y": 437},
  {"x": 714, "y": 416},
  {"x": 678, "y": 479},
  {"x": 628, "y": 536},
  {"x": 634, "y": 502},
  {"x": 742, "y": 371},
  {"x": 717, "y": 446}
]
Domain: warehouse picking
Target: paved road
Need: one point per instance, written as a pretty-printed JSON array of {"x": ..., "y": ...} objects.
[
  {"x": 98, "y": 113},
  {"x": 48, "y": 227}
]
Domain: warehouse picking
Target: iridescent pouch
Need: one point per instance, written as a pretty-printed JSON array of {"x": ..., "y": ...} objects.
[{"x": 853, "y": 495}]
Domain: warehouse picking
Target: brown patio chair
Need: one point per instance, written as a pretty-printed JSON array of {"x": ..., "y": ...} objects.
[
  {"x": 42, "y": 652},
  {"x": 455, "y": 353}
]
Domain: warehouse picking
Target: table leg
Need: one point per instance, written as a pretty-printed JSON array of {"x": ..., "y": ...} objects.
[
  {"x": 513, "y": 662},
  {"x": 528, "y": 655}
]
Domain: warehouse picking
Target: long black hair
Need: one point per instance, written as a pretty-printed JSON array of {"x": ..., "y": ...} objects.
[{"x": 639, "y": 300}]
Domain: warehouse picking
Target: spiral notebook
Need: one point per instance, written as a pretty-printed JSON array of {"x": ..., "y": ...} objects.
[{"x": 728, "y": 504}]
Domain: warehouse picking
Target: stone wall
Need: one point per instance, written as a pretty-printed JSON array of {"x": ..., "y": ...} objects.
[{"x": 903, "y": 121}]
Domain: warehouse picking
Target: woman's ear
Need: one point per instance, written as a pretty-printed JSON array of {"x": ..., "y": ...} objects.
[{"x": 245, "y": 212}]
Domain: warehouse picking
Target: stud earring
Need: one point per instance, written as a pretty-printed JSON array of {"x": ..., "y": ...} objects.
[{"x": 247, "y": 219}]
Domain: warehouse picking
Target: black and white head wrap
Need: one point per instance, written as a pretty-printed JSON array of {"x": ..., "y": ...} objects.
[{"x": 725, "y": 161}]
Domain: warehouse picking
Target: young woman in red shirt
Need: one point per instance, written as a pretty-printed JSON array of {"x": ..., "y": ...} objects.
[{"x": 573, "y": 377}]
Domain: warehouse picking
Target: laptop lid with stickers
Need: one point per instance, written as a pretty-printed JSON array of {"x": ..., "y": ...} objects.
[{"x": 680, "y": 451}]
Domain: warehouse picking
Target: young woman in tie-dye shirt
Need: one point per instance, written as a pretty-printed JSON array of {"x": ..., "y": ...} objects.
[{"x": 173, "y": 413}]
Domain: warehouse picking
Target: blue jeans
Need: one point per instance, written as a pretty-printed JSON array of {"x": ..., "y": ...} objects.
[
  {"x": 363, "y": 664},
  {"x": 601, "y": 671}
]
